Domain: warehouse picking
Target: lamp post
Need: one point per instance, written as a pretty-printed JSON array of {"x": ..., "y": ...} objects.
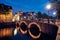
[
  {"x": 54, "y": 14},
  {"x": 48, "y": 7}
]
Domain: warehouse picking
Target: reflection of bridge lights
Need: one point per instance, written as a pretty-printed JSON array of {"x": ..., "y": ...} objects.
[
  {"x": 15, "y": 31},
  {"x": 5, "y": 32}
]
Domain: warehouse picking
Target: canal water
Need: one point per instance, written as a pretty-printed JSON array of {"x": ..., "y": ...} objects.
[{"x": 12, "y": 34}]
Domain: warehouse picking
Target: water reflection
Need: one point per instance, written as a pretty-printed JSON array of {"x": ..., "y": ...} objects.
[
  {"x": 15, "y": 31},
  {"x": 9, "y": 33},
  {"x": 5, "y": 32}
]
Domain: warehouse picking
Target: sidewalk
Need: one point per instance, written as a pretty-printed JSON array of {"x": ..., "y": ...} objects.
[{"x": 58, "y": 33}]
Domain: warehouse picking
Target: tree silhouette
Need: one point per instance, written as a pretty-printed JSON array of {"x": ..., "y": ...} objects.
[
  {"x": 44, "y": 15},
  {"x": 39, "y": 15}
]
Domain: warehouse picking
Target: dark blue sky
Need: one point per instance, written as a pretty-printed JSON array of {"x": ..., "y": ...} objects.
[{"x": 26, "y": 5}]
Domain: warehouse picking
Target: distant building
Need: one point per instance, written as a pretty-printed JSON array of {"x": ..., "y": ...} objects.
[
  {"x": 20, "y": 12},
  {"x": 5, "y": 13},
  {"x": 24, "y": 16},
  {"x": 31, "y": 15},
  {"x": 18, "y": 16}
]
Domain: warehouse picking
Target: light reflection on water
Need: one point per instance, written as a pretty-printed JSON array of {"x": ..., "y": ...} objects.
[
  {"x": 15, "y": 31},
  {"x": 8, "y": 34},
  {"x": 5, "y": 32}
]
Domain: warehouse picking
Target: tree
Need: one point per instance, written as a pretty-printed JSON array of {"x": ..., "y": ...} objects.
[
  {"x": 44, "y": 15},
  {"x": 51, "y": 17},
  {"x": 39, "y": 15}
]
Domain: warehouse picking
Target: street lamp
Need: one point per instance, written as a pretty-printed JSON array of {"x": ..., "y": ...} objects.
[
  {"x": 54, "y": 14},
  {"x": 48, "y": 7}
]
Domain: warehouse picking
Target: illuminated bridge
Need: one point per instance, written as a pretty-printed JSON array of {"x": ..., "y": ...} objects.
[{"x": 28, "y": 30}]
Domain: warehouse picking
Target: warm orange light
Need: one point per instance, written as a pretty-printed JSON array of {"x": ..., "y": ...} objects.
[
  {"x": 35, "y": 24},
  {"x": 35, "y": 37},
  {"x": 23, "y": 32},
  {"x": 6, "y": 32},
  {"x": 6, "y": 17}
]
